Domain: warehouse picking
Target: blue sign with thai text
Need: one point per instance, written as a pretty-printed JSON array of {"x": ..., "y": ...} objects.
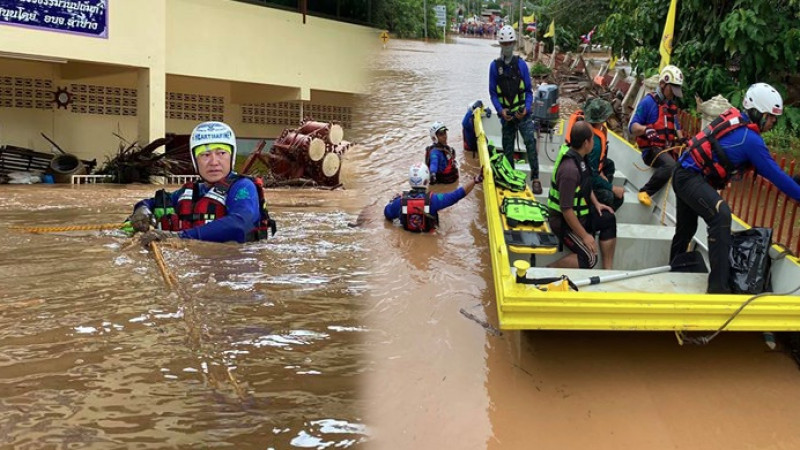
[{"x": 84, "y": 17}]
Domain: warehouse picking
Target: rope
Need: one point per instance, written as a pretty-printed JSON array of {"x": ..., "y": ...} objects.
[
  {"x": 668, "y": 149},
  {"x": 703, "y": 340},
  {"x": 169, "y": 278},
  {"x": 98, "y": 227},
  {"x": 190, "y": 320}
]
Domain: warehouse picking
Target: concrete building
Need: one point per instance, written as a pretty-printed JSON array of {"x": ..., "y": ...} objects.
[{"x": 144, "y": 68}]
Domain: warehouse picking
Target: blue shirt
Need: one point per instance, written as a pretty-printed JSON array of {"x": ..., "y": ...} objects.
[
  {"x": 438, "y": 160},
  {"x": 241, "y": 216},
  {"x": 647, "y": 113},
  {"x": 744, "y": 146},
  {"x": 439, "y": 202},
  {"x": 526, "y": 78}
]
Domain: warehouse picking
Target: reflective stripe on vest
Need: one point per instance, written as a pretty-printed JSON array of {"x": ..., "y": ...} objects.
[
  {"x": 708, "y": 155},
  {"x": 510, "y": 85},
  {"x": 579, "y": 203},
  {"x": 665, "y": 125}
]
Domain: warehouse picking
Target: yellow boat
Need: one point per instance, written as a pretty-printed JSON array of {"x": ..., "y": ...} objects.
[{"x": 659, "y": 301}]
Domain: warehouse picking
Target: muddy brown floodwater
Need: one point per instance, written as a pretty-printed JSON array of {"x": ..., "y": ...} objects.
[
  {"x": 439, "y": 380},
  {"x": 331, "y": 336}
]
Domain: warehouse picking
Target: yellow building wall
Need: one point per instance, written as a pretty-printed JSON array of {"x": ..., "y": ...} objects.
[
  {"x": 242, "y": 52},
  {"x": 237, "y": 41}
]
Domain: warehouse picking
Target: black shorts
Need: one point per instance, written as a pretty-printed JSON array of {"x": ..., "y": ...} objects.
[{"x": 605, "y": 225}]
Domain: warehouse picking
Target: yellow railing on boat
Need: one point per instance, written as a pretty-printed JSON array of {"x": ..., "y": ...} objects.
[{"x": 522, "y": 306}]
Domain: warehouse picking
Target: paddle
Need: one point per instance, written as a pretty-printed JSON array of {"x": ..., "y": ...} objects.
[{"x": 691, "y": 262}]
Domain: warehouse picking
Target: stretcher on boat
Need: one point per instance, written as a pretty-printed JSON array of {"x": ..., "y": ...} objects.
[{"x": 664, "y": 301}]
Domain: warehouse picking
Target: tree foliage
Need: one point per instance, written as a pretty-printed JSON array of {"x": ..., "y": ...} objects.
[{"x": 406, "y": 18}]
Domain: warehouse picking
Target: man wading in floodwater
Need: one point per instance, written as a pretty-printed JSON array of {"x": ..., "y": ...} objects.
[{"x": 224, "y": 207}]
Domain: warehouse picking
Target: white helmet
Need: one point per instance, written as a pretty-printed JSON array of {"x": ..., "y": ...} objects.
[
  {"x": 419, "y": 175},
  {"x": 435, "y": 128},
  {"x": 212, "y": 133},
  {"x": 506, "y": 34},
  {"x": 671, "y": 75},
  {"x": 764, "y": 98}
]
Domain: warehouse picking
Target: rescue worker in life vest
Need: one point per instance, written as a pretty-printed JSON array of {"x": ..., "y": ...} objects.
[
  {"x": 656, "y": 128},
  {"x": 512, "y": 96},
  {"x": 440, "y": 157},
  {"x": 418, "y": 209},
  {"x": 575, "y": 213},
  {"x": 468, "y": 127},
  {"x": 728, "y": 145},
  {"x": 224, "y": 207},
  {"x": 596, "y": 112}
]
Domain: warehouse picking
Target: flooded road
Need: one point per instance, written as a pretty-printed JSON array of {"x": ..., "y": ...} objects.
[
  {"x": 331, "y": 336},
  {"x": 259, "y": 349},
  {"x": 439, "y": 380}
]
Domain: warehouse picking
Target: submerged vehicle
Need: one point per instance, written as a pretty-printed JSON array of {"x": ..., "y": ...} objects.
[{"x": 642, "y": 291}]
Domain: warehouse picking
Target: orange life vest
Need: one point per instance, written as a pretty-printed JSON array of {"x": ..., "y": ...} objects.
[{"x": 602, "y": 133}]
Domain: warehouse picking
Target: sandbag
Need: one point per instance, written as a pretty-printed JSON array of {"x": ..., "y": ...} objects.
[{"x": 750, "y": 262}]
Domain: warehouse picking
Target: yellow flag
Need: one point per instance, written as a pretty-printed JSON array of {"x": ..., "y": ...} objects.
[
  {"x": 529, "y": 19},
  {"x": 666, "y": 38},
  {"x": 551, "y": 31},
  {"x": 612, "y": 63}
]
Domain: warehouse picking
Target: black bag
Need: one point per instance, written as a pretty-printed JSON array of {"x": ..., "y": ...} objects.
[{"x": 750, "y": 262}]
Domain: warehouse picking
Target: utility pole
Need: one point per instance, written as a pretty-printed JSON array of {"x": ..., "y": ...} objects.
[
  {"x": 425, "y": 18},
  {"x": 519, "y": 35}
]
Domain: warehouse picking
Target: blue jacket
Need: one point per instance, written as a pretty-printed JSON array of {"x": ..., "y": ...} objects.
[
  {"x": 242, "y": 213},
  {"x": 438, "y": 160},
  {"x": 647, "y": 113},
  {"x": 439, "y": 201},
  {"x": 743, "y": 146},
  {"x": 468, "y": 131},
  {"x": 526, "y": 78}
]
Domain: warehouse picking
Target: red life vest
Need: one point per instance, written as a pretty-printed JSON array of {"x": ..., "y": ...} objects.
[
  {"x": 415, "y": 213},
  {"x": 666, "y": 132},
  {"x": 602, "y": 133},
  {"x": 191, "y": 212},
  {"x": 705, "y": 145},
  {"x": 450, "y": 172}
]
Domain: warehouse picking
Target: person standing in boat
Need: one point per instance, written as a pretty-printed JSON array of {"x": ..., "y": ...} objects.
[
  {"x": 440, "y": 157},
  {"x": 656, "y": 128},
  {"x": 512, "y": 96},
  {"x": 596, "y": 112},
  {"x": 728, "y": 145},
  {"x": 418, "y": 209},
  {"x": 575, "y": 213},
  {"x": 224, "y": 207}
]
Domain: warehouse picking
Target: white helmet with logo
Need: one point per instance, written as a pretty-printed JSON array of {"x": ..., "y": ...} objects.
[
  {"x": 435, "y": 128},
  {"x": 506, "y": 34},
  {"x": 419, "y": 175},
  {"x": 671, "y": 75},
  {"x": 212, "y": 133},
  {"x": 764, "y": 98}
]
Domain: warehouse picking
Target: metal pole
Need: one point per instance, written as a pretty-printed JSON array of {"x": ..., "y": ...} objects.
[{"x": 425, "y": 18}]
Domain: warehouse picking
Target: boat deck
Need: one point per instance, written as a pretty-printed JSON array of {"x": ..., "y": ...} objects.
[{"x": 663, "y": 301}]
